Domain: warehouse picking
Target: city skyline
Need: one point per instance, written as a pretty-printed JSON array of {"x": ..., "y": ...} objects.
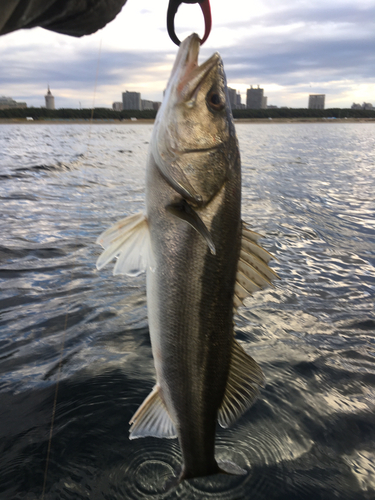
[
  {"x": 255, "y": 99},
  {"x": 239, "y": 103},
  {"x": 292, "y": 50}
]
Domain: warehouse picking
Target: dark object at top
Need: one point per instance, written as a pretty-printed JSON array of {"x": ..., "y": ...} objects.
[
  {"x": 69, "y": 17},
  {"x": 172, "y": 9}
]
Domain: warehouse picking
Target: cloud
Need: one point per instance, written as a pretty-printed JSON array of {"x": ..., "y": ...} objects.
[
  {"x": 304, "y": 61},
  {"x": 323, "y": 49},
  {"x": 77, "y": 71},
  {"x": 313, "y": 13},
  {"x": 291, "y": 48}
]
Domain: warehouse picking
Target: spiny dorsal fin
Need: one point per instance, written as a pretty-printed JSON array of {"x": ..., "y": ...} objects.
[
  {"x": 129, "y": 241},
  {"x": 152, "y": 418},
  {"x": 253, "y": 272},
  {"x": 244, "y": 379}
]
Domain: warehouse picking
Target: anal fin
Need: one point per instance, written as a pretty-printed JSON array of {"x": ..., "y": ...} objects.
[
  {"x": 244, "y": 379},
  {"x": 152, "y": 418}
]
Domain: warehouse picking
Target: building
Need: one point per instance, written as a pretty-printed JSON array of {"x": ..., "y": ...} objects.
[
  {"x": 131, "y": 100},
  {"x": 255, "y": 98},
  {"x": 239, "y": 104},
  {"x": 367, "y": 105},
  {"x": 232, "y": 94},
  {"x": 9, "y": 103},
  {"x": 234, "y": 98},
  {"x": 50, "y": 100},
  {"x": 117, "y": 106},
  {"x": 316, "y": 101},
  {"x": 146, "y": 104}
]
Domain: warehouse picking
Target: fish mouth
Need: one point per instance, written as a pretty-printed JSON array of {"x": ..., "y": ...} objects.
[
  {"x": 193, "y": 75},
  {"x": 183, "y": 143},
  {"x": 177, "y": 151}
]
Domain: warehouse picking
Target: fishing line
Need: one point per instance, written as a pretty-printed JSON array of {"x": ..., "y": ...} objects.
[{"x": 67, "y": 313}]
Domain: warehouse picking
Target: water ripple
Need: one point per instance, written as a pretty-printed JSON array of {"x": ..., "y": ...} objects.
[{"x": 309, "y": 189}]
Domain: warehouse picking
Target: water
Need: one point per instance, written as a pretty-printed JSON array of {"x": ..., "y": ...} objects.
[{"x": 309, "y": 188}]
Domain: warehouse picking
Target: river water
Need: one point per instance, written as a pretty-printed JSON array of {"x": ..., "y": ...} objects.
[{"x": 309, "y": 189}]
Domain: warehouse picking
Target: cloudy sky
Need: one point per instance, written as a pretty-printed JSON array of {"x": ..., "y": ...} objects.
[{"x": 290, "y": 48}]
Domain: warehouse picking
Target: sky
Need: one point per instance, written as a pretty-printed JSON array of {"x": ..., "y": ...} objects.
[{"x": 291, "y": 49}]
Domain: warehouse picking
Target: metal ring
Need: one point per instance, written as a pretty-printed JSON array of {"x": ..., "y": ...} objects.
[{"x": 171, "y": 13}]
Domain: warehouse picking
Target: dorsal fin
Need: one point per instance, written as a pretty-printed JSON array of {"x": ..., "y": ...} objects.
[
  {"x": 244, "y": 379},
  {"x": 253, "y": 272}
]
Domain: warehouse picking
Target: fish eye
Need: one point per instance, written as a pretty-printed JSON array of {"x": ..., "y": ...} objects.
[{"x": 215, "y": 102}]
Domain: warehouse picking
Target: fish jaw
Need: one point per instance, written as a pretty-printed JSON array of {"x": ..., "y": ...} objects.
[{"x": 194, "y": 141}]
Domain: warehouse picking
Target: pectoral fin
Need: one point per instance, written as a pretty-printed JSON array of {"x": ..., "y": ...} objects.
[
  {"x": 182, "y": 210},
  {"x": 245, "y": 378},
  {"x": 152, "y": 418},
  {"x": 129, "y": 241}
]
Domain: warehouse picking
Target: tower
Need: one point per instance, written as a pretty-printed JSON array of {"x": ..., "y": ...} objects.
[{"x": 50, "y": 100}]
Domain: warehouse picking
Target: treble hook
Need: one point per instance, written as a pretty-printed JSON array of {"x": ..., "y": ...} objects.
[{"x": 172, "y": 9}]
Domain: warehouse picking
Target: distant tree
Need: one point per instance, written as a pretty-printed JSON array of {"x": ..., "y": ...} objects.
[{"x": 303, "y": 113}]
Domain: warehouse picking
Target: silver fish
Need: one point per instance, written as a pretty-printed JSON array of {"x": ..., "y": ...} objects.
[{"x": 201, "y": 263}]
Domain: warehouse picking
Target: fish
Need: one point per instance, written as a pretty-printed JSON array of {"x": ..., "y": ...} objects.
[{"x": 201, "y": 261}]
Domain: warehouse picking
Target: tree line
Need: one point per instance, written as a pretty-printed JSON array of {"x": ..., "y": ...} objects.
[
  {"x": 76, "y": 114},
  {"x": 110, "y": 114},
  {"x": 304, "y": 113}
]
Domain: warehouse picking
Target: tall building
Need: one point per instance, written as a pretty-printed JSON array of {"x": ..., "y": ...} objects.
[
  {"x": 238, "y": 101},
  {"x": 255, "y": 98},
  {"x": 131, "y": 100},
  {"x": 316, "y": 101},
  {"x": 50, "y": 100},
  {"x": 234, "y": 98},
  {"x": 117, "y": 106}
]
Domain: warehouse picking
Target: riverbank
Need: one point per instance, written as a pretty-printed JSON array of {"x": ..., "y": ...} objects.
[{"x": 23, "y": 121}]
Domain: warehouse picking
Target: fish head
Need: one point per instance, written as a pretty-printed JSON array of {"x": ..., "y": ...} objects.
[{"x": 194, "y": 143}]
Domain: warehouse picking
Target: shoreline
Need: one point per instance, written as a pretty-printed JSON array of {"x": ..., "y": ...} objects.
[{"x": 22, "y": 121}]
